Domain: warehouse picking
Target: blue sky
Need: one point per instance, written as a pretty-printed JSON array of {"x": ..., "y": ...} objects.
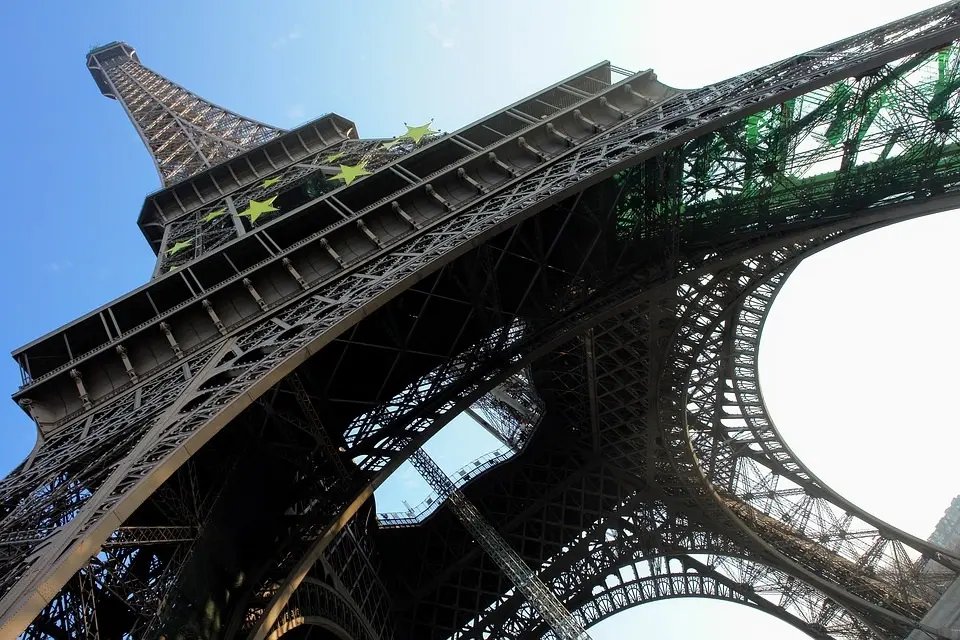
[{"x": 76, "y": 175}]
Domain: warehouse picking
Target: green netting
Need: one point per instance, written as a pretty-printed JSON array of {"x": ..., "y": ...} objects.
[{"x": 886, "y": 134}]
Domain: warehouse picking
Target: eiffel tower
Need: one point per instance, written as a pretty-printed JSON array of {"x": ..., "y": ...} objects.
[{"x": 587, "y": 272}]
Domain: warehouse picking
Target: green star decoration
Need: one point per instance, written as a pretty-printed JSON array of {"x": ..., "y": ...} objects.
[
  {"x": 349, "y": 173},
  {"x": 179, "y": 246},
  {"x": 257, "y": 208},
  {"x": 392, "y": 143},
  {"x": 213, "y": 215},
  {"x": 269, "y": 182},
  {"x": 334, "y": 157},
  {"x": 172, "y": 267},
  {"x": 418, "y": 133}
]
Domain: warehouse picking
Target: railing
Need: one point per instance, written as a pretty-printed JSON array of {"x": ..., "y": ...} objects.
[{"x": 417, "y": 514}]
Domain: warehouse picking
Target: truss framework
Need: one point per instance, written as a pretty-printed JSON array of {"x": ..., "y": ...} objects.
[
  {"x": 588, "y": 560},
  {"x": 541, "y": 599},
  {"x": 344, "y": 588},
  {"x": 56, "y": 511},
  {"x": 184, "y": 133}
]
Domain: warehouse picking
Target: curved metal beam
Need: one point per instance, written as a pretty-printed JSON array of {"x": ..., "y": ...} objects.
[
  {"x": 611, "y": 571},
  {"x": 701, "y": 455},
  {"x": 315, "y": 621}
]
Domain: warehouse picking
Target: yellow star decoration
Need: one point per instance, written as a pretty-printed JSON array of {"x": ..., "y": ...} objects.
[
  {"x": 269, "y": 182},
  {"x": 213, "y": 215},
  {"x": 179, "y": 246},
  {"x": 334, "y": 157},
  {"x": 418, "y": 133},
  {"x": 257, "y": 208},
  {"x": 349, "y": 173}
]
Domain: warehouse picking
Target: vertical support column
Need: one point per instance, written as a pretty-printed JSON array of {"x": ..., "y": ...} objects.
[
  {"x": 84, "y": 396},
  {"x": 127, "y": 365},
  {"x": 214, "y": 317},
  {"x": 171, "y": 340},
  {"x": 234, "y": 216},
  {"x": 158, "y": 267},
  {"x": 508, "y": 412},
  {"x": 293, "y": 272},
  {"x": 248, "y": 283}
]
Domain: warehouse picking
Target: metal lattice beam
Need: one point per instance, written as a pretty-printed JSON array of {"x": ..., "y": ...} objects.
[{"x": 539, "y": 595}]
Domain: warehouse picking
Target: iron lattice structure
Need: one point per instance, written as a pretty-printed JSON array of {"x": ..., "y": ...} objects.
[
  {"x": 598, "y": 259},
  {"x": 521, "y": 577},
  {"x": 184, "y": 133}
]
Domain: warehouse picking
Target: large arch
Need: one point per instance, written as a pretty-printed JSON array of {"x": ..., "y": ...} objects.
[
  {"x": 318, "y": 604},
  {"x": 648, "y": 551},
  {"x": 288, "y": 628},
  {"x": 735, "y": 282},
  {"x": 691, "y": 583},
  {"x": 751, "y": 477}
]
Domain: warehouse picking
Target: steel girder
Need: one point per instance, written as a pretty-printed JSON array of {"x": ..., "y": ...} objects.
[
  {"x": 537, "y": 594},
  {"x": 56, "y": 517}
]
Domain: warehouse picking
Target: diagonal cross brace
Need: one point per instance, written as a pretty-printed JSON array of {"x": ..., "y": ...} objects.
[{"x": 564, "y": 625}]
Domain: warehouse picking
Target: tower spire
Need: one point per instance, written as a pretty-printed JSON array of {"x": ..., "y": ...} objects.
[{"x": 184, "y": 133}]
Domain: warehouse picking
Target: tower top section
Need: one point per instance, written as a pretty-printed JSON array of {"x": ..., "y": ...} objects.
[
  {"x": 184, "y": 133},
  {"x": 101, "y": 57}
]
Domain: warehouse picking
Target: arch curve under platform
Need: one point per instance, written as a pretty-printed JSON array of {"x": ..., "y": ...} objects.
[
  {"x": 300, "y": 628},
  {"x": 739, "y": 298},
  {"x": 731, "y": 447},
  {"x": 649, "y": 550},
  {"x": 684, "y": 586},
  {"x": 316, "y": 603}
]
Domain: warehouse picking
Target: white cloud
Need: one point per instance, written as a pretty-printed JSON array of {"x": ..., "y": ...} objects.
[
  {"x": 445, "y": 40},
  {"x": 296, "y": 112},
  {"x": 284, "y": 40}
]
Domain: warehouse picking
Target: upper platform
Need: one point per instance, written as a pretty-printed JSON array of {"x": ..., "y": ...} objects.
[
  {"x": 99, "y": 57},
  {"x": 227, "y": 178},
  {"x": 217, "y": 175}
]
